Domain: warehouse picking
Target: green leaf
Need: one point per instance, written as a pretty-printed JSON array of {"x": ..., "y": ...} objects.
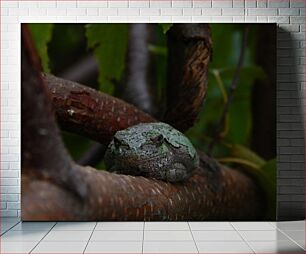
[
  {"x": 109, "y": 42},
  {"x": 243, "y": 152},
  {"x": 265, "y": 176},
  {"x": 42, "y": 34},
  {"x": 246, "y": 73},
  {"x": 166, "y": 26},
  {"x": 158, "y": 50}
]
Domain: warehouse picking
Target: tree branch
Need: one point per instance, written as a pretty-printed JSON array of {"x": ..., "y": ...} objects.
[
  {"x": 231, "y": 92},
  {"x": 137, "y": 87},
  {"x": 189, "y": 52},
  {"x": 90, "y": 113}
]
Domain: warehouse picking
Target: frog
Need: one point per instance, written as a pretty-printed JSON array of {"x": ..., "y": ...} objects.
[{"x": 153, "y": 150}]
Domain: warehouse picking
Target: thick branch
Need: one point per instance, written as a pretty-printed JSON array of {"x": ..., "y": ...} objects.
[
  {"x": 90, "y": 113},
  {"x": 225, "y": 195},
  {"x": 43, "y": 153},
  {"x": 190, "y": 48},
  {"x": 136, "y": 88}
]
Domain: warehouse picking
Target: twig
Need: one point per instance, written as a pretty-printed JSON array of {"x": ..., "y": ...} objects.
[
  {"x": 81, "y": 71},
  {"x": 93, "y": 155},
  {"x": 231, "y": 92}
]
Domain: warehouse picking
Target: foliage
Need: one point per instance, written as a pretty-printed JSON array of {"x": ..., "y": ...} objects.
[
  {"x": 109, "y": 42},
  {"x": 166, "y": 27},
  {"x": 42, "y": 34}
]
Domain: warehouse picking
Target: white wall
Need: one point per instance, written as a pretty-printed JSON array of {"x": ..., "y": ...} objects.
[{"x": 288, "y": 14}]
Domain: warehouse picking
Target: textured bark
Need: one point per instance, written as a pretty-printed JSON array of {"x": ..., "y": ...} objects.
[
  {"x": 190, "y": 49},
  {"x": 90, "y": 113},
  {"x": 55, "y": 188},
  {"x": 224, "y": 195},
  {"x": 43, "y": 153},
  {"x": 137, "y": 88}
]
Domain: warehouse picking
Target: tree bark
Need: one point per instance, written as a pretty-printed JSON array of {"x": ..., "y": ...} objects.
[
  {"x": 90, "y": 113},
  {"x": 137, "y": 88},
  {"x": 189, "y": 53}
]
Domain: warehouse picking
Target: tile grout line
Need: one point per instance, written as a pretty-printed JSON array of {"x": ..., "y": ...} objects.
[
  {"x": 193, "y": 237},
  {"x": 90, "y": 236},
  {"x": 42, "y": 238},
  {"x": 247, "y": 243},
  {"x": 10, "y": 228},
  {"x": 143, "y": 232},
  {"x": 290, "y": 238},
  {"x": 271, "y": 223}
]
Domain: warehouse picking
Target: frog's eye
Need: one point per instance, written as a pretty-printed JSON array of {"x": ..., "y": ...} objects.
[
  {"x": 158, "y": 140},
  {"x": 117, "y": 142}
]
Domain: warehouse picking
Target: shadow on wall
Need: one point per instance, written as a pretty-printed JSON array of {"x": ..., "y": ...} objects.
[{"x": 290, "y": 128}]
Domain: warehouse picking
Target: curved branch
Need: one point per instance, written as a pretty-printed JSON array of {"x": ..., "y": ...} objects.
[
  {"x": 90, "y": 113},
  {"x": 190, "y": 49},
  {"x": 225, "y": 195}
]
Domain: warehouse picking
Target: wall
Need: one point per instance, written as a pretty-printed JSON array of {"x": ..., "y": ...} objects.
[{"x": 288, "y": 14}]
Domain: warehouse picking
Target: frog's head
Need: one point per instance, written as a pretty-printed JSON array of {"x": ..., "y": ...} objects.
[{"x": 138, "y": 143}]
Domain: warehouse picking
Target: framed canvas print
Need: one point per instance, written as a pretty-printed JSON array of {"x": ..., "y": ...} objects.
[{"x": 154, "y": 122}]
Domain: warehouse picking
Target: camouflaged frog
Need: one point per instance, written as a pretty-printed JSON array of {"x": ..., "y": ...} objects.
[{"x": 154, "y": 150}]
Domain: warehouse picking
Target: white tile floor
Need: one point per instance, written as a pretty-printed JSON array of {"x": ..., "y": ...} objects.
[{"x": 152, "y": 237}]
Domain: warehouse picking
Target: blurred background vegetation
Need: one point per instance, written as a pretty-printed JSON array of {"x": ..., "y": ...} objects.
[{"x": 68, "y": 49}]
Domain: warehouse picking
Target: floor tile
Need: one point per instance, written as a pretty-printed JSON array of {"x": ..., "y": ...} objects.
[
  {"x": 70, "y": 236},
  {"x": 167, "y": 236},
  {"x": 301, "y": 243},
  {"x": 224, "y": 247},
  {"x": 63, "y": 226},
  {"x": 98, "y": 236},
  {"x": 295, "y": 234},
  {"x": 169, "y": 247},
  {"x": 291, "y": 225},
  {"x": 33, "y": 226},
  {"x": 23, "y": 236},
  {"x": 211, "y": 225},
  {"x": 273, "y": 235},
  {"x": 7, "y": 225},
  {"x": 216, "y": 236},
  {"x": 275, "y": 247},
  {"x": 60, "y": 247},
  {"x": 114, "y": 247},
  {"x": 17, "y": 247},
  {"x": 120, "y": 225},
  {"x": 260, "y": 225},
  {"x": 166, "y": 226}
]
